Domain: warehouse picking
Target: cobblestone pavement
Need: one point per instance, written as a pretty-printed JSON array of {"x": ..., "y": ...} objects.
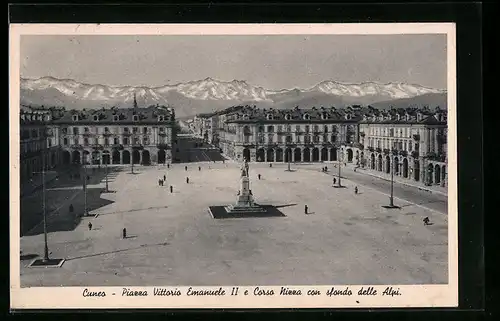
[{"x": 173, "y": 240}]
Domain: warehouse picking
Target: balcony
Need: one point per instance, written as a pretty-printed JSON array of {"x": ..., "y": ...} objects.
[
  {"x": 378, "y": 150},
  {"x": 386, "y": 151},
  {"x": 126, "y": 133},
  {"x": 162, "y": 133},
  {"x": 415, "y": 154},
  {"x": 403, "y": 153},
  {"x": 87, "y": 133},
  {"x": 416, "y": 137},
  {"x": 117, "y": 147},
  {"x": 108, "y": 133},
  {"x": 137, "y": 146},
  {"x": 76, "y": 146},
  {"x": 371, "y": 149}
]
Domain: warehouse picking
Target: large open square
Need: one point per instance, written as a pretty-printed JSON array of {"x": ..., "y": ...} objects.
[{"x": 172, "y": 239}]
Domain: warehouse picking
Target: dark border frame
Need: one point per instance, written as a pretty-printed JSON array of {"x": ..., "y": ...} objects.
[{"x": 467, "y": 16}]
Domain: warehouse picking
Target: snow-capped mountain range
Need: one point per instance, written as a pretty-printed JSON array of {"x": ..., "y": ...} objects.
[{"x": 73, "y": 94}]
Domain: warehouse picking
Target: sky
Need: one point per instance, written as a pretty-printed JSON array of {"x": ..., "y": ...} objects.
[{"x": 272, "y": 62}]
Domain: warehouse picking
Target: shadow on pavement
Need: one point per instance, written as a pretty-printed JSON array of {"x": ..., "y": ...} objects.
[
  {"x": 62, "y": 219},
  {"x": 133, "y": 210},
  {"x": 117, "y": 251}
]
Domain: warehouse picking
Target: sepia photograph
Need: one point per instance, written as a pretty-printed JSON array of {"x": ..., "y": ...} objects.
[{"x": 201, "y": 162}]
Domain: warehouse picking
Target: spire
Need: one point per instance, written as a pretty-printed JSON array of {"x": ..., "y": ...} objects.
[{"x": 135, "y": 101}]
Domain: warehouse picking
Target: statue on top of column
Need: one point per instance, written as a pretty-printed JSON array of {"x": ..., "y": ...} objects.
[{"x": 244, "y": 169}]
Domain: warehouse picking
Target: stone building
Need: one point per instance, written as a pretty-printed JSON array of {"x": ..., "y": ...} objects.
[
  {"x": 117, "y": 135},
  {"x": 412, "y": 140},
  {"x": 39, "y": 142},
  {"x": 292, "y": 135}
]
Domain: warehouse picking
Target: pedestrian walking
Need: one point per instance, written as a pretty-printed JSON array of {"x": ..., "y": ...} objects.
[
  {"x": 258, "y": 176},
  {"x": 171, "y": 189},
  {"x": 124, "y": 233},
  {"x": 354, "y": 169},
  {"x": 270, "y": 164},
  {"x": 334, "y": 181},
  {"x": 164, "y": 177},
  {"x": 168, "y": 165},
  {"x": 187, "y": 180},
  {"x": 326, "y": 169},
  {"x": 90, "y": 226},
  {"x": 306, "y": 209},
  {"x": 356, "y": 190},
  {"x": 159, "y": 182},
  {"x": 199, "y": 168},
  {"x": 185, "y": 168},
  {"x": 426, "y": 221}
]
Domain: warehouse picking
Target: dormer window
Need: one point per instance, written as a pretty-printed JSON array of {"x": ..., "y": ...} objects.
[
  {"x": 398, "y": 117},
  {"x": 288, "y": 117},
  {"x": 269, "y": 117},
  {"x": 135, "y": 118},
  {"x": 324, "y": 116},
  {"x": 161, "y": 118},
  {"x": 75, "y": 117},
  {"x": 115, "y": 118},
  {"x": 306, "y": 117},
  {"x": 96, "y": 117},
  {"x": 347, "y": 116},
  {"x": 246, "y": 117}
]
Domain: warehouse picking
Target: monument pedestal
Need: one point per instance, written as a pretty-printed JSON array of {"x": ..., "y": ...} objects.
[{"x": 245, "y": 202}]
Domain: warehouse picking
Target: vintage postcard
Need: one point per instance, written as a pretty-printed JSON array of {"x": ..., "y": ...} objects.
[{"x": 233, "y": 166}]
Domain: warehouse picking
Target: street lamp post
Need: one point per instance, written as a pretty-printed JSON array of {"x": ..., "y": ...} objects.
[
  {"x": 339, "y": 156},
  {"x": 46, "y": 247},
  {"x": 392, "y": 183},
  {"x": 85, "y": 213}
]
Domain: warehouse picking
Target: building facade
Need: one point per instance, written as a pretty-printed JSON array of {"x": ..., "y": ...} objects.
[
  {"x": 117, "y": 136},
  {"x": 295, "y": 135},
  {"x": 39, "y": 142},
  {"x": 412, "y": 142}
]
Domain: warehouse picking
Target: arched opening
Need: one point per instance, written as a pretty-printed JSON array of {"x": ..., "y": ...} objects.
[
  {"x": 416, "y": 170},
  {"x": 379, "y": 167},
  {"x": 307, "y": 154},
  {"x": 279, "y": 155},
  {"x": 260, "y": 155},
  {"x": 430, "y": 173},
  {"x": 315, "y": 156},
  {"x": 106, "y": 157},
  {"x": 161, "y": 156},
  {"x": 66, "y": 157},
  {"x": 96, "y": 159},
  {"x": 297, "y": 155},
  {"x": 136, "y": 156},
  {"x": 126, "y": 157},
  {"x": 372, "y": 161},
  {"x": 324, "y": 154},
  {"x": 443, "y": 173},
  {"x": 146, "y": 157},
  {"x": 357, "y": 155},
  {"x": 405, "y": 168},
  {"x": 396, "y": 166},
  {"x": 288, "y": 155},
  {"x": 349, "y": 155},
  {"x": 333, "y": 154},
  {"x": 387, "y": 164},
  {"x": 270, "y": 155},
  {"x": 437, "y": 174},
  {"x": 246, "y": 154},
  {"x": 115, "y": 157},
  {"x": 77, "y": 159},
  {"x": 86, "y": 157}
]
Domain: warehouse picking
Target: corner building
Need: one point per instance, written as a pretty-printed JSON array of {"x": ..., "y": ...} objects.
[
  {"x": 292, "y": 135},
  {"x": 411, "y": 141},
  {"x": 117, "y": 136}
]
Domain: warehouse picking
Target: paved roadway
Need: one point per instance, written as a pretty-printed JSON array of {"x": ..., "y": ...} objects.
[
  {"x": 192, "y": 149},
  {"x": 433, "y": 201}
]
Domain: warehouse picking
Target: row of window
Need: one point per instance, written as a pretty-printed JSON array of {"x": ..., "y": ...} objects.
[
  {"x": 307, "y": 139},
  {"x": 117, "y": 118},
  {"x": 108, "y": 141},
  {"x": 406, "y": 145},
  {"x": 298, "y": 128},
  {"x": 392, "y": 132},
  {"x": 97, "y": 130},
  {"x": 305, "y": 116}
]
